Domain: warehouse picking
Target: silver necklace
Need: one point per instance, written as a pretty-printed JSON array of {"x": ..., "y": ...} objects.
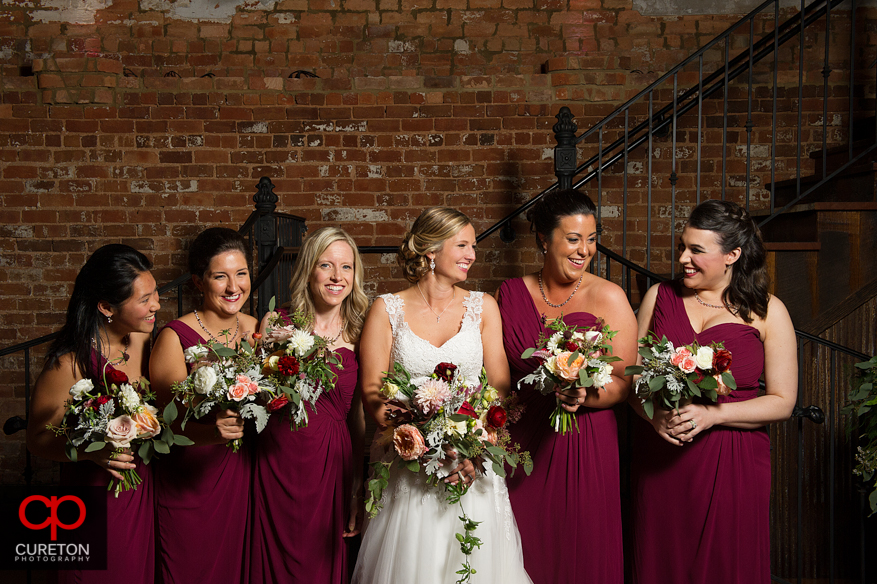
[
  {"x": 438, "y": 315},
  {"x": 123, "y": 359},
  {"x": 730, "y": 309},
  {"x": 237, "y": 326},
  {"x": 338, "y": 336},
  {"x": 549, "y": 303}
]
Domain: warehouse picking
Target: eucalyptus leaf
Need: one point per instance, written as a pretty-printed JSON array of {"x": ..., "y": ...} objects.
[
  {"x": 728, "y": 380},
  {"x": 498, "y": 469},
  {"x": 649, "y": 408},
  {"x": 94, "y": 446},
  {"x": 145, "y": 451},
  {"x": 272, "y": 303},
  {"x": 528, "y": 353},
  {"x": 181, "y": 440},
  {"x": 633, "y": 370},
  {"x": 656, "y": 383},
  {"x": 170, "y": 412},
  {"x": 161, "y": 446},
  {"x": 70, "y": 450}
]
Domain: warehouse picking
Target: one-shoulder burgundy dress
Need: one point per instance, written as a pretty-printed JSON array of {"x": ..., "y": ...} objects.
[{"x": 701, "y": 511}]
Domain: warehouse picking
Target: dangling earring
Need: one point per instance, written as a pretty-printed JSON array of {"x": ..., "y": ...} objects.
[
  {"x": 544, "y": 251},
  {"x": 109, "y": 319},
  {"x": 432, "y": 266}
]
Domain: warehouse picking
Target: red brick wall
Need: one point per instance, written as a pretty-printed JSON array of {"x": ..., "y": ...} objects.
[{"x": 420, "y": 102}]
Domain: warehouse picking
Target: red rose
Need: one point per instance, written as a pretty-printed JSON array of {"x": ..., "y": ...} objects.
[
  {"x": 445, "y": 371},
  {"x": 116, "y": 377},
  {"x": 277, "y": 403},
  {"x": 496, "y": 417},
  {"x": 722, "y": 360},
  {"x": 287, "y": 365},
  {"x": 467, "y": 410},
  {"x": 571, "y": 347},
  {"x": 99, "y": 401}
]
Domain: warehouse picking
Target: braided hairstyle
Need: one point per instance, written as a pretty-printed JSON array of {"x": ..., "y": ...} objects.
[
  {"x": 735, "y": 228},
  {"x": 432, "y": 228}
]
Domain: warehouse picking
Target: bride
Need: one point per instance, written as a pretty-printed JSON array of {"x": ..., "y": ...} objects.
[{"x": 412, "y": 539}]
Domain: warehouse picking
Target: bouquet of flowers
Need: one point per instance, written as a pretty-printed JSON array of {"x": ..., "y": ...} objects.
[
  {"x": 571, "y": 358},
  {"x": 225, "y": 379},
  {"x": 435, "y": 421},
  {"x": 112, "y": 410},
  {"x": 671, "y": 375},
  {"x": 861, "y": 406},
  {"x": 299, "y": 365}
]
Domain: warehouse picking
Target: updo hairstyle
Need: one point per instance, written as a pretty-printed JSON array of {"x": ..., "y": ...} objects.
[
  {"x": 432, "y": 228},
  {"x": 212, "y": 242},
  {"x": 545, "y": 215},
  {"x": 735, "y": 228}
]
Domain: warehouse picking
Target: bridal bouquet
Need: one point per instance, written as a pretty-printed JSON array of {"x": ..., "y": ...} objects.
[
  {"x": 113, "y": 410},
  {"x": 571, "y": 358},
  {"x": 670, "y": 375},
  {"x": 434, "y": 422},
  {"x": 225, "y": 379},
  {"x": 299, "y": 365}
]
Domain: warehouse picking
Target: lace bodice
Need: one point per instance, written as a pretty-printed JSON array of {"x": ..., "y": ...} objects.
[{"x": 420, "y": 357}]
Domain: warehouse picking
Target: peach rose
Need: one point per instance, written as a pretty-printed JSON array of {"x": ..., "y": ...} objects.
[
  {"x": 681, "y": 353},
  {"x": 147, "y": 422},
  {"x": 722, "y": 389},
  {"x": 567, "y": 371},
  {"x": 120, "y": 431},
  {"x": 408, "y": 442},
  {"x": 243, "y": 388},
  {"x": 688, "y": 364}
]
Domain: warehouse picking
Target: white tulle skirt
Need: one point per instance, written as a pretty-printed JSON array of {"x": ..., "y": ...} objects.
[{"x": 412, "y": 539}]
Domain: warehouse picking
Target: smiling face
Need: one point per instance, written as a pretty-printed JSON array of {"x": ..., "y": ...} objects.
[
  {"x": 571, "y": 247},
  {"x": 331, "y": 280},
  {"x": 703, "y": 263},
  {"x": 456, "y": 255},
  {"x": 226, "y": 283},
  {"x": 137, "y": 313}
]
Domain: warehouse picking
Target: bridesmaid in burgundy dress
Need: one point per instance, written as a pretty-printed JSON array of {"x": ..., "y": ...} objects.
[
  {"x": 109, "y": 319},
  {"x": 308, "y": 482},
  {"x": 203, "y": 491},
  {"x": 701, "y": 474},
  {"x": 569, "y": 508}
]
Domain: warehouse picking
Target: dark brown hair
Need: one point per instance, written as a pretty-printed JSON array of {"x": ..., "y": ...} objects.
[{"x": 546, "y": 214}]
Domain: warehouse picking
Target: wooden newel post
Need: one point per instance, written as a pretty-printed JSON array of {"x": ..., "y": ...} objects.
[
  {"x": 265, "y": 233},
  {"x": 565, "y": 151}
]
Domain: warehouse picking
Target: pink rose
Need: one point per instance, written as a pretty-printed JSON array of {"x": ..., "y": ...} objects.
[
  {"x": 408, "y": 442},
  {"x": 146, "y": 422},
  {"x": 567, "y": 371},
  {"x": 120, "y": 431},
  {"x": 688, "y": 364},
  {"x": 681, "y": 353},
  {"x": 243, "y": 388}
]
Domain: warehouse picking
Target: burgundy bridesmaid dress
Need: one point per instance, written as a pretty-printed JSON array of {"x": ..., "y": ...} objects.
[
  {"x": 701, "y": 511},
  {"x": 569, "y": 508},
  {"x": 130, "y": 525},
  {"x": 202, "y": 506},
  {"x": 302, "y": 490}
]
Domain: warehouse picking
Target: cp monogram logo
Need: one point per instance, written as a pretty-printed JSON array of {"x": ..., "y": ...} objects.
[{"x": 52, "y": 505}]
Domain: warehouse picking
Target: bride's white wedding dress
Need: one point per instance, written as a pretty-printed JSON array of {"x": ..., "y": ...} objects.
[{"x": 412, "y": 539}]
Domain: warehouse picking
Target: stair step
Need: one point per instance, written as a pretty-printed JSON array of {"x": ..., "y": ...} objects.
[
  {"x": 792, "y": 245},
  {"x": 821, "y": 206},
  {"x": 854, "y": 184}
]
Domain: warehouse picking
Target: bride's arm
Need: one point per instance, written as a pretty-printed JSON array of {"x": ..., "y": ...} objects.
[
  {"x": 495, "y": 360},
  {"x": 375, "y": 345}
]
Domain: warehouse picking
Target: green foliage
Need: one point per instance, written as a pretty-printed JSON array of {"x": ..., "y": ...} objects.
[{"x": 862, "y": 400}]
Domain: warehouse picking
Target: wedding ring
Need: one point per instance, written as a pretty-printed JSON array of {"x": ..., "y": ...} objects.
[{"x": 693, "y": 424}]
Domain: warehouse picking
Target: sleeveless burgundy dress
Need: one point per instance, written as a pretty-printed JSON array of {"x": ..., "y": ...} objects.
[
  {"x": 202, "y": 506},
  {"x": 701, "y": 511},
  {"x": 569, "y": 508},
  {"x": 302, "y": 489},
  {"x": 130, "y": 524}
]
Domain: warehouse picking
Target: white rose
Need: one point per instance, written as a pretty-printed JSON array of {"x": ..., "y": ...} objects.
[
  {"x": 195, "y": 353},
  {"x": 551, "y": 364},
  {"x": 120, "y": 431},
  {"x": 80, "y": 388},
  {"x": 704, "y": 358},
  {"x": 301, "y": 342},
  {"x": 272, "y": 362},
  {"x": 389, "y": 390},
  {"x": 205, "y": 379}
]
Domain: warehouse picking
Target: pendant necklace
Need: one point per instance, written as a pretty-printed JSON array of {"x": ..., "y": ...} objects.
[
  {"x": 237, "y": 326},
  {"x": 438, "y": 315}
]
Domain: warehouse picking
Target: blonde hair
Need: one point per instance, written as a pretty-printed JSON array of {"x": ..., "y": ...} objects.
[
  {"x": 354, "y": 306},
  {"x": 432, "y": 228}
]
